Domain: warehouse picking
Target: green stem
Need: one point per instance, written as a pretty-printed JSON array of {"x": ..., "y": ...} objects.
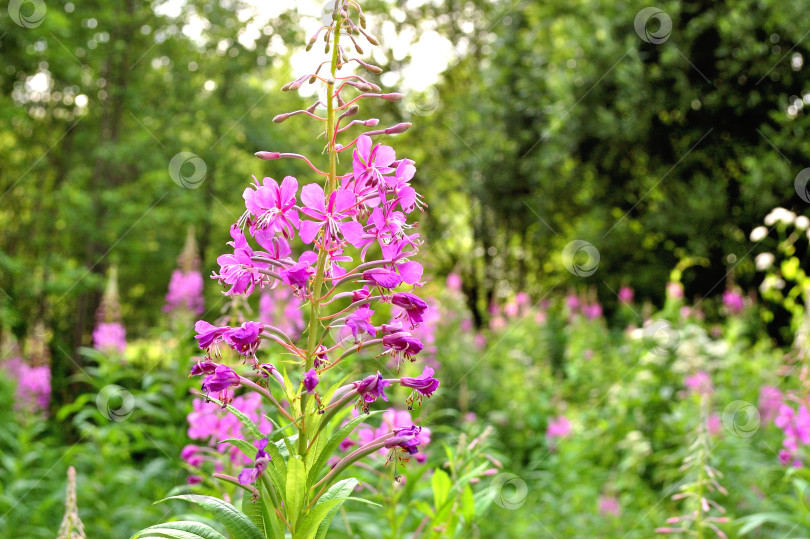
[{"x": 317, "y": 286}]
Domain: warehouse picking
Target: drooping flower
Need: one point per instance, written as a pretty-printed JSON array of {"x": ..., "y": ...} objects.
[
  {"x": 203, "y": 367},
  {"x": 425, "y": 384},
  {"x": 402, "y": 344},
  {"x": 413, "y": 305},
  {"x": 406, "y": 438},
  {"x": 220, "y": 380},
  {"x": 208, "y": 334},
  {"x": 250, "y": 475},
  {"x": 311, "y": 380},
  {"x": 382, "y": 277},
  {"x": 372, "y": 387},
  {"x": 245, "y": 338}
]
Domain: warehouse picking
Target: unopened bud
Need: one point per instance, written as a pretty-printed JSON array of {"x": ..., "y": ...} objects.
[
  {"x": 399, "y": 128},
  {"x": 351, "y": 111},
  {"x": 295, "y": 85},
  {"x": 326, "y": 49},
  {"x": 394, "y": 97},
  {"x": 371, "y": 122},
  {"x": 280, "y": 118},
  {"x": 362, "y": 20},
  {"x": 363, "y": 87},
  {"x": 358, "y": 48},
  {"x": 371, "y": 39},
  {"x": 374, "y": 87},
  {"x": 330, "y": 80},
  {"x": 312, "y": 79},
  {"x": 286, "y": 87},
  {"x": 268, "y": 156},
  {"x": 374, "y": 69}
]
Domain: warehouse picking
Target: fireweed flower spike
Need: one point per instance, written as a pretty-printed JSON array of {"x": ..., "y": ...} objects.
[{"x": 359, "y": 252}]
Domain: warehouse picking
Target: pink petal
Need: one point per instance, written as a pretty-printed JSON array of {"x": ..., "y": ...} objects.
[
  {"x": 312, "y": 197},
  {"x": 411, "y": 272},
  {"x": 308, "y": 230}
]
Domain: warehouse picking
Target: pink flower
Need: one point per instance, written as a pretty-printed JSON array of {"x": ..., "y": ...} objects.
[
  {"x": 734, "y": 301},
  {"x": 273, "y": 207},
  {"x": 609, "y": 505},
  {"x": 626, "y": 294},
  {"x": 770, "y": 399},
  {"x": 342, "y": 204},
  {"x": 558, "y": 427},
  {"x": 674, "y": 290},
  {"x": 454, "y": 282},
  {"x": 700, "y": 383},
  {"x": 185, "y": 292},
  {"x": 714, "y": 424},
  {"x": 110, "y": 337}
]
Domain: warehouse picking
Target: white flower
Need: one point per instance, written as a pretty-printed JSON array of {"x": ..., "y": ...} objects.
[
  {"x": 771, "y": 282},
  {"x": 764, "y": 261},
  {"x": 759, "y": 233},
  {"x": 780, "y": 215},
  {"x": 802, "y": 222}
]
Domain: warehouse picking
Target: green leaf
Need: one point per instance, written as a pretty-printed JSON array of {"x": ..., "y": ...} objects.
[
  {"x": 468, "y": 504},
  {"x": 441, "y": 487},
  {"x": 318, "y": 515},
  {"x": 296, "y": 488},
  {"x": 247, "y": 449},
  {"x": 253, "y": 509},
  {"x": 229, "y": 516},
  {"x": 334, "y": 442},
  {"x": 182, "y": 529},
  {"x": 322, "y": 519}
]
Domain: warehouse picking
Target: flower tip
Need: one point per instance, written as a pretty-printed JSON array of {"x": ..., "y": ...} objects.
[
  {"x": 393, "y": 97},
  {"x": 280, "y": 118},
  {"x": 268, "y": 156}
]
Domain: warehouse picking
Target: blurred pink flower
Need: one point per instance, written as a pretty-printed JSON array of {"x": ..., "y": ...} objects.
[
  {"x": 700, "y": 383},
  {"x": 558, "y": 427},
  {"x": 626, "y": 294},
  {"x": 110, "y": 337},
  {"x": 609, "y": 505},
  {"x": 770, "y": 399},
  {"x": 454, "y": 282},
  {"x": 734, "y": 301},
  {"x": 674, "y": 290}
]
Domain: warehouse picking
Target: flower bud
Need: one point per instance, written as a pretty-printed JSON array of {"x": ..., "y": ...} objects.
[
  {"x": 394, "y": 97},
  {"x": 280, "y": 118},
  {"x": 399, "y": 128},
  {"x": 268, "y": 156}
]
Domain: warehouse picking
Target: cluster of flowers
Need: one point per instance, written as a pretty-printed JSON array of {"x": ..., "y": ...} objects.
[
  {"x": 33, "y": 393},
  {"x": 590, "y": 309},
  {"x": 359, "y": 254},
  {"x": 109, "y": 335},
  {"x": 795, "y": 424},
  {"x": 185, "y": 292}
]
